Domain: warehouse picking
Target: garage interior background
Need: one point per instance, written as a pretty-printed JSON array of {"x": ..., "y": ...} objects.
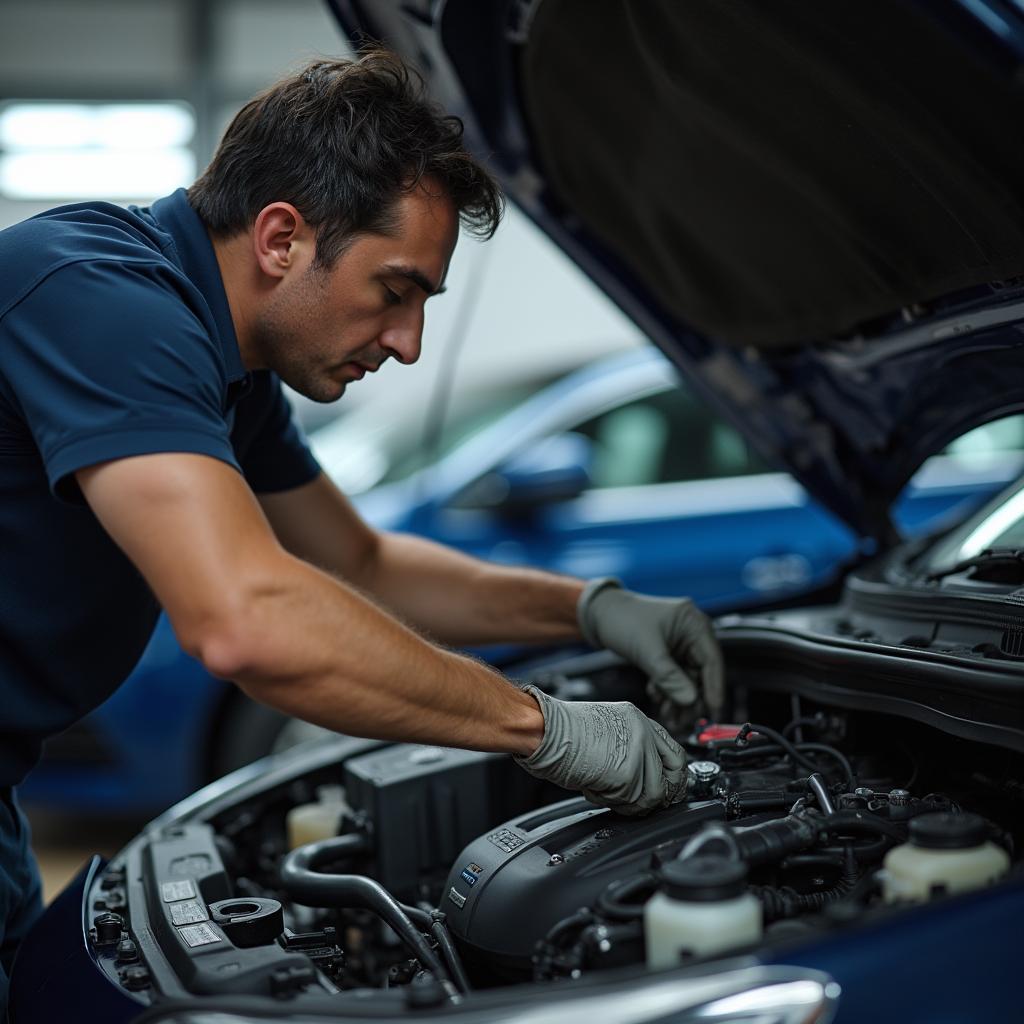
[
  {"x": 206, "y": 58},
  {"x": 201, "y": 60}
]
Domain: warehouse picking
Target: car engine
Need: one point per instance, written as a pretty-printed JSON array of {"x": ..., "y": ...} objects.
[{"x": 422, "y": 874}]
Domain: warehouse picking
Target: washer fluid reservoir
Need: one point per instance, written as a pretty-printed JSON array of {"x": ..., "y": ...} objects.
[
  {"x": 703, "y": 908},
  {"x": 945, "y": 853},
  {"x": 308, "y": 823}
]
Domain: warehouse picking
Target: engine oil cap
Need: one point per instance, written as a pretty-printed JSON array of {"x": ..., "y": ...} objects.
[
  {"x": 943, "y": 830},
  {"x": 702, "y": 776},
  {"x": 703, "y": 879}
]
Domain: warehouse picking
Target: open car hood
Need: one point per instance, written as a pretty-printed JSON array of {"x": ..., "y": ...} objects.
[{"x": 816, "y": 211}]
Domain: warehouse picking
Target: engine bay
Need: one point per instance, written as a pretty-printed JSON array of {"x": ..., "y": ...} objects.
[{"x": 421, "y": 876}]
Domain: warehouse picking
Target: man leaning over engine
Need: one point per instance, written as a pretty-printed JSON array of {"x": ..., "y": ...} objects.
[{"x": 148, "y": 459}]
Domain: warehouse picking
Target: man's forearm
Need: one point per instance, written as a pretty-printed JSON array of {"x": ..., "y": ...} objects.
[
  {"x": 451, "y": 597},
  {"x": 289, "y": 634},
  {"x": 316, "y": 649},
  {"x": 460, "y": 600}
]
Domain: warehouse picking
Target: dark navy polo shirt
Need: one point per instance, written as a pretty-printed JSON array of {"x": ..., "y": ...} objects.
[{"x": 115, "y": 340}]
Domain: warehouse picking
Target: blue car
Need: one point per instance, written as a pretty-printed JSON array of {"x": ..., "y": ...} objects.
[
  {"x": 614, "y": 469},
  {"x": 816, "y": 211}
]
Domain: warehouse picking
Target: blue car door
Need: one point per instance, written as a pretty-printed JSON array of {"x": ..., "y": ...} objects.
[{"x": 677, "y": 503}]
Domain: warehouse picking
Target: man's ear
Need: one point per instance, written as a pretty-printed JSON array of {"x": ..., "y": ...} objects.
[{"x": 281, "y": 239}]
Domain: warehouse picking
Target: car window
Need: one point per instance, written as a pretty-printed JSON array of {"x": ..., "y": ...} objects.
[
  {"x": 375, "y": 445},
  {"x": 666, "y": 437},
  {"x": 989, "y": 442},
  {"x": 999, "y": 524},
  {"x": 971, "y": 468},
  {"x": 474, "y": 413}
]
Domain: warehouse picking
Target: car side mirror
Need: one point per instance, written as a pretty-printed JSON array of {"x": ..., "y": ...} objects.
[{"x": 556, "y": 469}]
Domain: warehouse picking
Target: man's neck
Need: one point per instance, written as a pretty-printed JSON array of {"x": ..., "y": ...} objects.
[{"x": 237, "y": 276}]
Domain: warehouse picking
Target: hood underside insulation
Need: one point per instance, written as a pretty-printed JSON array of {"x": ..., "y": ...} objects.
[{"x": 778, "y": 173}]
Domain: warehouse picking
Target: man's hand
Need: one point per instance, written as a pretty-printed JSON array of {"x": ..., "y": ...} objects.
[
  {"x": 670, "y": 639},
  {"x": 612, "y": 753}
]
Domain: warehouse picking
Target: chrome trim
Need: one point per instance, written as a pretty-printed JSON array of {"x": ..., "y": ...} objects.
[
  {"x": 767, "y": 995},
  {"x": 735, "y": 995}
]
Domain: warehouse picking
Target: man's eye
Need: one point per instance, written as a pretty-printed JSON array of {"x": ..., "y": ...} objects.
[{"x": 390, "y": 297}]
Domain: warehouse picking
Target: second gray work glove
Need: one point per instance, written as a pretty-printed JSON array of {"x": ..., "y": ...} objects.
[
  {"x": 670, "y": 639},
  {"x": 610, "y": 752}
]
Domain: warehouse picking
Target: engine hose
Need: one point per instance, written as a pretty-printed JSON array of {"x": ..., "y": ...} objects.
[
  {"x": 794, "y": 750},
  {"x": 443, "y": 938},
  {"x": 772, "y": 840},
  {"x": 612, "y": 903},
  {"x": 311, "y": 888},
  {"x": 866, "y": 852},
  {"x": 419, "y": 917},
  {"x": 560, "y": 929},
  {"x": 780, "y": 740},
  {"x": 858, "y": 821},
  {"x": 824, "y": 748},
  {"x": 750, "y": 753},
  {"x": 780, "y": 902},
  {"x": 709, "y": 834},
  {"x": 740, "y": 804},
  {"x": 815, "y": 859},
  {"x": 814, "y": 721}
]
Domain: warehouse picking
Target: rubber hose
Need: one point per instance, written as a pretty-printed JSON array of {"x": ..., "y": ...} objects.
[
  {"x": 781, "y": 740},
  {"x": 761, "y": 803},
  {"x": 811, "y": 720},
  {"x": 824, "y": 748},
  {"x": 314, "y": 889},
  {"x": 611, "y": 903},
  {"x": 858, "y": 821},
  {"x": 451, "y": 956},
  {"x": 782, "y": 902}
]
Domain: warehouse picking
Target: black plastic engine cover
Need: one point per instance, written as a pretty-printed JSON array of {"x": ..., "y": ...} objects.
[
  {"x": 426, "y": 802},
  {"x": 510, "y": 886}
]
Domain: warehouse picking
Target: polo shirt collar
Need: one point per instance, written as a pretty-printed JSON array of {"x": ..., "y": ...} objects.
[{"x": 195, "y": 251}]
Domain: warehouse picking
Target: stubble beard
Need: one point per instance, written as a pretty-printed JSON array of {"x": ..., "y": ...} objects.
[{"x": 280, "y": 340}]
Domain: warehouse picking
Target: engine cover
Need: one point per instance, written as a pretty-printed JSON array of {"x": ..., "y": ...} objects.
[{"x": 510, "y": 886}]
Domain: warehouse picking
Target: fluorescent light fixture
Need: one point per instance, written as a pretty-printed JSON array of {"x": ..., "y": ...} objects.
[
  {"x": 94, "y": 150},
  {"x": 103, "y": 125},
  {"x": 103, "y": 174}
]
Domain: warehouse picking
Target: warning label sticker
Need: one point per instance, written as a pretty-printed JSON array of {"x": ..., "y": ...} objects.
[
  {"x": 198, "y": 935},
  {"x": 188, "y": 913},
  {"x": 173, "y": 891}
]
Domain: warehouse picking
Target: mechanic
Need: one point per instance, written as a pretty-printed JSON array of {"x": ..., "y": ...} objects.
[{"x": 148, "y": 459}]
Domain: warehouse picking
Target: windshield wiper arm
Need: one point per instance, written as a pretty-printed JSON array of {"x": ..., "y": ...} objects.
[{"x": 990, "y": 557}]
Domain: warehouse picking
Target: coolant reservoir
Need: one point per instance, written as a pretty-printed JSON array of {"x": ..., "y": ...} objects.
[
  {"x": 308, "y": 823},
  {"x": 702, "y": 908},
  {"x": 947, "y": 853}
]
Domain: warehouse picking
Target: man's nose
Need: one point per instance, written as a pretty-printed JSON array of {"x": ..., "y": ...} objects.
[{"x": 403, "y": 340}]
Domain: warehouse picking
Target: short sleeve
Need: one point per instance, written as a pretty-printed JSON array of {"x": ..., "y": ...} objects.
[
  {"x": 270, "y": 447},
  {"x": 108, "y": 360}
]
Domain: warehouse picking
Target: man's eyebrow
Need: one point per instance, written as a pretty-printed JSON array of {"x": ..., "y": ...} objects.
[{"x": 416, "y": 276}]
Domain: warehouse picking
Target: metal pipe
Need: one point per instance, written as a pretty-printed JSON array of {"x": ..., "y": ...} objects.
[{"x": 816, "y": 784}]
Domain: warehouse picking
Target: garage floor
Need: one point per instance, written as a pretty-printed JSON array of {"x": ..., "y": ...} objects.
[{"x": 64, "y": 844}]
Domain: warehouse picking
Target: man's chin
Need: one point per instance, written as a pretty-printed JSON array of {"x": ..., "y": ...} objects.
[{"x": 322, "y": 393}]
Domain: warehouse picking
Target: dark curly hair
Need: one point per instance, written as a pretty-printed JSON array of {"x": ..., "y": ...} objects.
[{"x": 342, "y": 141}]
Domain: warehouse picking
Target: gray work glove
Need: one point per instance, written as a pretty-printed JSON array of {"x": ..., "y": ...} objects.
[
  {"x": 612, "y": 753},
  {"x": 670, "y": 639}
]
